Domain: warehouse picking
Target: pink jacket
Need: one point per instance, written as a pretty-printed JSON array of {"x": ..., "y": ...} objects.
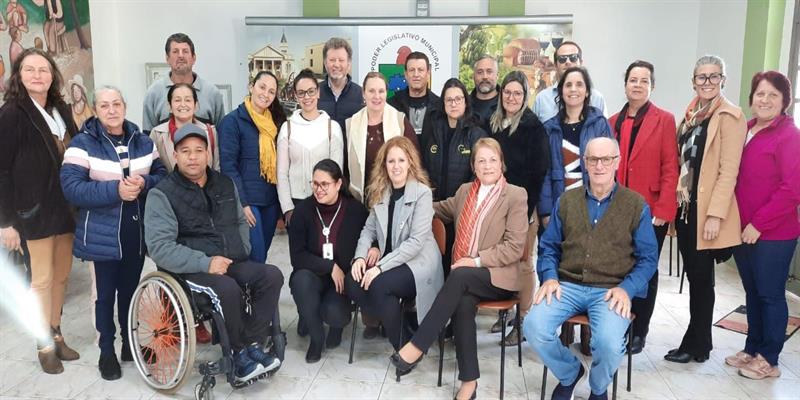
[{"x": 768, "y": 185}]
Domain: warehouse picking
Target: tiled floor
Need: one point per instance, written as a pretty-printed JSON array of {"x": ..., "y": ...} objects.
[{"x": 370, "y": 377}]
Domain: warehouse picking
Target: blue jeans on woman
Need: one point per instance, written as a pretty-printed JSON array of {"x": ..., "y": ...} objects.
[
  {"x": 764, "y": 268},
  {"x": 261, "y": 234},
  {"x": 608, "y": 342}
]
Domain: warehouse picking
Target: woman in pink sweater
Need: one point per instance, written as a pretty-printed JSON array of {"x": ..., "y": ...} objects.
[{"x": 768, "y": 194}]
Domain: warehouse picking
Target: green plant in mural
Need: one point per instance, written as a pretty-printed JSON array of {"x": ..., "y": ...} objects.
[{"x": 478, "y": 40}]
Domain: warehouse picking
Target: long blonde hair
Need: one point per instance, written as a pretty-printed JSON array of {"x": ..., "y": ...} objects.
[{"x": 380, "y": 181}]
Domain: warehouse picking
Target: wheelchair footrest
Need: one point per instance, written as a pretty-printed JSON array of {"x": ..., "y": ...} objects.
[{"x": 212, "y": 368}]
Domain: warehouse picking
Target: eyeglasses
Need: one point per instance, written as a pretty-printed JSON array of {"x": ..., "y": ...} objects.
[
  {"x": 573, "y": 58},
  {"x": 303, "y": 93},
  {"x": 606, "y": 161},
  {"x": 516, "y": 95},
  {"x": 321, "y": 185},
  {"x": 713, "y": 78},
  {"x": 454, "y": 101}
]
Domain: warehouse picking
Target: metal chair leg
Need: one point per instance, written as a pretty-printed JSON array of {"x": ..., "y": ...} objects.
[
  {"x": 544, "y": 381},
  {"x": 353, "y": 338},
  {"x": 630, "y": 355},
  {"x": 503, "y": 316},
  {"x": 670, "y": 256},
  {"x": 614, "y": 387},
  {"x": 400, "y": 338},
  {"x": 683, "y": 275},
  {"x": 519, "y": 338},
  {"x": 441, "y": 357}
]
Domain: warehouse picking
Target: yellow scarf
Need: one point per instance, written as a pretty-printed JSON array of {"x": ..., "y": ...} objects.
[{"x": 267, "y": 132}]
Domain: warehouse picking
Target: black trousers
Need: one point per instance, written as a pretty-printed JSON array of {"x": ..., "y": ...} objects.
[
  {"x": 699, "y": 267},
  {"x": 458, "y": 299},
  {"x": 382, "y": 300},
  {"x": 317, "y": 303},
  {"x": 264, "y": 283},
  {"x": 643, "y": 307}
]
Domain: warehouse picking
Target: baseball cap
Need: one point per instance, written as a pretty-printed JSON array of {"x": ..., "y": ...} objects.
[{"x": 187, "y": 131}]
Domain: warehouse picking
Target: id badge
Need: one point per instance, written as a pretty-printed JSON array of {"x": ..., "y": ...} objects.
[{"x": 327, "y": 251}]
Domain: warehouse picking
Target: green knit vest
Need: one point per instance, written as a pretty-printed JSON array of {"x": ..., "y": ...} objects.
[{"x": 601, "y": 256}]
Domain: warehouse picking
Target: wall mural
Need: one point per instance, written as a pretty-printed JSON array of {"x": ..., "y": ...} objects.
[{"x": 59, "y": 27}]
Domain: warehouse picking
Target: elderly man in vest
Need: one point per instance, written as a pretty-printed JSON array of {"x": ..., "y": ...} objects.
[
  {"x": 597, "y": 253},
  {"x": 196, "y": 228}
]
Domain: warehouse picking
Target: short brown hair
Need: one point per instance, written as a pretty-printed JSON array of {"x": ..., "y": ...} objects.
[
  {"x": 337, "y": 43},
  {"x": 490, "y": 143}
]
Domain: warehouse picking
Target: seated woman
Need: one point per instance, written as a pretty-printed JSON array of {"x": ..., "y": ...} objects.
[
  {"x": 408, "y": 265},
  {"x": 182, "y": 102},
  {"x": 491, "y": 228},
  {"x": 321, "y": 246}
]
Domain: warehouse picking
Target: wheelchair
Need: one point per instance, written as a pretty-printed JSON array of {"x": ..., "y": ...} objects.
[{"x": 161, "y": 325}]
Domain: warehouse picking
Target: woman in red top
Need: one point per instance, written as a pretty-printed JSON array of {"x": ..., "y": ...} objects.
[{"x": 649, "y": 166}]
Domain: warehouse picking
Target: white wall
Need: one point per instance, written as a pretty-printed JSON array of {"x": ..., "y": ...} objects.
[{"x": 671, "y": 34}]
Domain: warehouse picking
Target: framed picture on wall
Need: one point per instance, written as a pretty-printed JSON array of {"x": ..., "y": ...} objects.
[
  {"x": 226, "y": 96},
  {"x": 154, "y": 72}
]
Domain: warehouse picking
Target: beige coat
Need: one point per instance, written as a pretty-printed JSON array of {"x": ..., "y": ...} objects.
[
  {"x": 166, "y": 149},
  {"x": 501, "y": 240},
  {"x": 727, "y": 130}
]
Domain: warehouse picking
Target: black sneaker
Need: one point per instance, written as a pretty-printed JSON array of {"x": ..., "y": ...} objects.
[
  {"x": 255, "y": 353},
  {"x": 302, "y": 329},
  {"x": 603, "y": 396},
  {"x": 314, "y": 352},
  {"x": 562, "y": 392},
  {"x": 334, "y": 338},
  {"x": 109, "y": 367}
]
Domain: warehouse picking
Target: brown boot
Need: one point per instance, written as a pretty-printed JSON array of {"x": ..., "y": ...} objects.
[
  {"x": 63, "y": 352},
  {"x": 49, "y": 360}
]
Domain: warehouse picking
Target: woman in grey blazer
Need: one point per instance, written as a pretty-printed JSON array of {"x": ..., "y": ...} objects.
[{"x": 406, "y": 264}]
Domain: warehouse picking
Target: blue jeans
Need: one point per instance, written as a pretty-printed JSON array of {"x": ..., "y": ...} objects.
[
  {"x": 764, "y": 268},
  {"x": 608, "y": 334},
  {"x": 261, "y": 234}
]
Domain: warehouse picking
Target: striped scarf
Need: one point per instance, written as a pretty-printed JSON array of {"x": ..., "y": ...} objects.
[
  {"x": 688, "y": 131},
  {"x": 471, "y": 219}
]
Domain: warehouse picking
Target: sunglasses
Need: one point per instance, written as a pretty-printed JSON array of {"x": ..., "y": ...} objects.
[{"x": 573, "y": 58}]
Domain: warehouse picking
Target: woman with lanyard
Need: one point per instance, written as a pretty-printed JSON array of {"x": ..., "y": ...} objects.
[
  {"x": 248, "y": 155},
  {"x": 321, "y": 245},
  {"x": 182, "y": 102},
  {"x": 648, "y": 165},
  {"x": 307, "y": 137}
]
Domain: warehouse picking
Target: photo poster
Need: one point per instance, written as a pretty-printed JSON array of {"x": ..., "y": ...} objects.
[
  {"x": 452, "y": 50},
  {"x": 62, "y": 29}
]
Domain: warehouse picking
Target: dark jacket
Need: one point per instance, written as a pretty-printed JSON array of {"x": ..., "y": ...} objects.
[
  {"x": 401, "y": 101},
  {"x": 527, "y": 156},
  {"x": 596, "y": 125},
  {"x": 447, "y": 159},
  {"x": 483, "y": 113},
  {"x": 31, "y": 199},
  {"x": 238, "y": 159},
  {"x": 350, "y": 101},
  {"x": 304, "y": 246},
  {"x": 89, "y": 184},
  {"x": 188, "y": 224}
]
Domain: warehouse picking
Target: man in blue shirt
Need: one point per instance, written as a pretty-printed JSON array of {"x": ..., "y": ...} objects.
[
  {"x": 568, "y": 54},
  {"x": 597, "y": 253}
]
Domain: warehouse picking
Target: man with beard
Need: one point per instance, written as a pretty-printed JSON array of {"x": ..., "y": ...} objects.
[
  {"x": 181, "y": 58},
  {"x": 484, "y": 96}
]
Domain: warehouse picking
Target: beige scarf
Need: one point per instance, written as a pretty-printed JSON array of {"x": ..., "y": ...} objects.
[{"x": 393, "y": 125}]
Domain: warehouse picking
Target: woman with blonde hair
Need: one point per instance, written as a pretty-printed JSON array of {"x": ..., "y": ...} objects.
[{"x": 408, "y": 263}]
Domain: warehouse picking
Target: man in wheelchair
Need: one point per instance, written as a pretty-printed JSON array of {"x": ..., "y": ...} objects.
[{"x": 196, "y": 228}]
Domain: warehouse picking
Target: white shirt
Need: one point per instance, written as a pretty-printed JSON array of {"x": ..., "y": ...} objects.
[{"x": 56, "y": 124}]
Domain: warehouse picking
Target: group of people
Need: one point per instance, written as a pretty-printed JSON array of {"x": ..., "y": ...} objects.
[{"x": 358, "y": 179}]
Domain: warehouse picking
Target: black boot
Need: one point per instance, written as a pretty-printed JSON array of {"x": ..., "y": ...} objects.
[{"x": 109, "y": 367}]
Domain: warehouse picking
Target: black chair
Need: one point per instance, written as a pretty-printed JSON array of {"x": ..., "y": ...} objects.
[{"x": 583, "y": 321}]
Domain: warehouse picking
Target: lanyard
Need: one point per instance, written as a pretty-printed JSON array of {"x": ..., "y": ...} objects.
[{"x": 326, "y": 230}]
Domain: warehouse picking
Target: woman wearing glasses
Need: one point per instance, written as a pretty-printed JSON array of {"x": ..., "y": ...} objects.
[
  {"x": 321, "y": 245},
  {"x": 648, "y": 165},
  {"x": 527, "y": 154},
  {"x": 307, "y": 137},
  {"x": 710, "y": 141}
]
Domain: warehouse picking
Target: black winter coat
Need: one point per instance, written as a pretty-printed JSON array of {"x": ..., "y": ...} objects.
[
  {"x": 31, "y": 199},
  {"x": 447, "y": 159},
  {"x": 527, "y": 155}
]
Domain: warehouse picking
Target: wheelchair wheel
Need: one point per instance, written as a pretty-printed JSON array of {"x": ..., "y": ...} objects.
[{"x": 162, "y": 333}]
